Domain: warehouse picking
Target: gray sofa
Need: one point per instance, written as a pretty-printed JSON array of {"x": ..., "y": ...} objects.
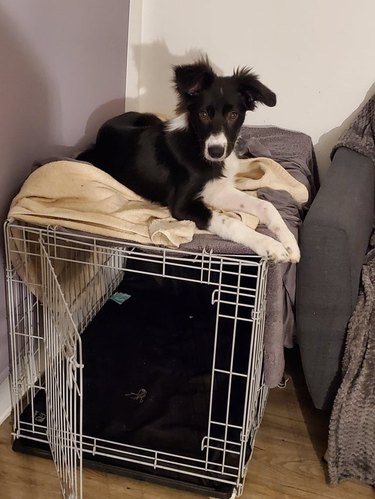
[{"x": 333, "y": 240}]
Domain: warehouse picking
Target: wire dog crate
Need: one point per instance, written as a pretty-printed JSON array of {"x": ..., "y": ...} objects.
[{"x": 169, "y": 341}]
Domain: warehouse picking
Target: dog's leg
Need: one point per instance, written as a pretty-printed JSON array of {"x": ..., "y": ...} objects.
[
  {"x": 229, "y": 228},
  {"x": 234, "y": 230},
  {"x": 222, "y": 195},
  {"x": 269, "y": 216}
]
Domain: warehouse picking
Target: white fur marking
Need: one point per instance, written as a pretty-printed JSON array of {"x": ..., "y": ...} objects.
[
  {"x": 218, "y": 139},
  {"x": 221, "y": 194},
  {"x": 180, "y": 122},
  {"x": 231, "y": 166},
  {"x": 235, "y": 230}
]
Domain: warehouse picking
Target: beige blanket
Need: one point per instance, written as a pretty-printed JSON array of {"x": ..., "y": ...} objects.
[{"x": 80, "y": 196}]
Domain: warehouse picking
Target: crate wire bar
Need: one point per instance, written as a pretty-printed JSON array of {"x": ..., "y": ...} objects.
[
  {"x": 63, "y": 381},
  {"x": 57, "y": 281}
]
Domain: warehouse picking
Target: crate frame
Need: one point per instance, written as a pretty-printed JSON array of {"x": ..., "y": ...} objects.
[{"x": 46, "y": 314}]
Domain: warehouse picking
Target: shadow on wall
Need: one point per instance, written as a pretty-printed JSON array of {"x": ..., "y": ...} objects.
[
  {"x": 96, "y": 119},
  {"x": 327, "y": 141},
  {"x": 158, "y": 79}
]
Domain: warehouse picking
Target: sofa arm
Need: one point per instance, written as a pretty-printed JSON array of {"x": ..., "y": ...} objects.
[{"x": 333, "y": 241}]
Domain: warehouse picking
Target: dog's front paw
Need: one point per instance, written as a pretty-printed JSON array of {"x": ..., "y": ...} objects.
[
  {"x": 275, "y": 252},
  {"x": 294, "y": 253},
  {"x": 290, "y": 244},
  {"x": 292, "y": 248}
]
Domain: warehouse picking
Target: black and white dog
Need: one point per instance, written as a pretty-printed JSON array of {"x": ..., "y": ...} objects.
[{"x": 188, "y": 163}]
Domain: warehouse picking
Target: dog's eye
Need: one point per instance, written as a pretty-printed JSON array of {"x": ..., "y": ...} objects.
[
  {"x": 232, "y": 116},
  {"x": 204, "y": 115}
]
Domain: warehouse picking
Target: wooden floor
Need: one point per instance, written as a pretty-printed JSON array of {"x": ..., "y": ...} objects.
[{"x": 286, "y": 461}]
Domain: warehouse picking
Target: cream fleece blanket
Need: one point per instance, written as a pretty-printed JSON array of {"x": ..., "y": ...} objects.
[{"x": 82, "y": 197}]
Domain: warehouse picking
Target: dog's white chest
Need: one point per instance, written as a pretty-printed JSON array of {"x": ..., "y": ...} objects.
[
  {"x": 231, "y": 166},
  {"x": 217, "y": 188}
]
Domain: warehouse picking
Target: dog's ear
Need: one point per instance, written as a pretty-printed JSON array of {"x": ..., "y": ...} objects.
[
  {"x": 191, "y": 79},
  {"x": 252, "y": 90}
]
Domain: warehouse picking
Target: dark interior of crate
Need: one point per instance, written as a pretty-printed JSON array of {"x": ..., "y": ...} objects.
[{"x": 147, "y": 375}]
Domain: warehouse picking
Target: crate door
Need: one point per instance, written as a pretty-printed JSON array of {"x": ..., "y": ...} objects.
[
  {"x": 236, "y": 378},
  {"x": 63, "y": 379}
]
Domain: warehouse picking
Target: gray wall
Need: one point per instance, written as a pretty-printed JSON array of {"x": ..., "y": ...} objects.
[{"x": 62, "y": 74}]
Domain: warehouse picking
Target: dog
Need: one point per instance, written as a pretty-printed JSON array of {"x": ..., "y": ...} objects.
[{"x": 188, "y": 163}]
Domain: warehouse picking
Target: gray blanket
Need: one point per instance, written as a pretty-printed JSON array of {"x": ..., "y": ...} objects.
[
  {"x": 294, "y": 151},
  {"x": 360, "y": 136},
  {"x": 351, "y": 449}
]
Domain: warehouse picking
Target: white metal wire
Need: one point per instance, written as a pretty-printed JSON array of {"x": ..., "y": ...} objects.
[
  {"x": 58, "y": 280},
  {"x": 63, "y": 382}
]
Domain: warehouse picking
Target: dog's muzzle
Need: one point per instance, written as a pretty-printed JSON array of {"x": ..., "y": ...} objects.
[{"x": 216, "y": 147}]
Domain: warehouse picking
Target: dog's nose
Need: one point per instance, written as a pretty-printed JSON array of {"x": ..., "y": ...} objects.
[{"x": 216, "y": 151}]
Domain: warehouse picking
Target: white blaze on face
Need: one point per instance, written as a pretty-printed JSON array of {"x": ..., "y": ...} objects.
[{"x": 215, "y": 147}]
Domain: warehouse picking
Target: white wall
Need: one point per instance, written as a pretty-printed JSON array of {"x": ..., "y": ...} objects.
[{"x": 317, "y": 55}]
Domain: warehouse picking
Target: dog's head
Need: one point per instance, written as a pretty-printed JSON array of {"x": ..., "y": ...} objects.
[{"x": 215, "y": 106}]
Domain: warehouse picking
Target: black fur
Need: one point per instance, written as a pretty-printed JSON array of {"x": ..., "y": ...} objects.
[{"x": 170, "y": 167}]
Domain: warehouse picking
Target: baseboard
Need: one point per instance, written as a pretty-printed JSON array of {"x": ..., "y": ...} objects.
[{"x": 5, "y": 402}]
